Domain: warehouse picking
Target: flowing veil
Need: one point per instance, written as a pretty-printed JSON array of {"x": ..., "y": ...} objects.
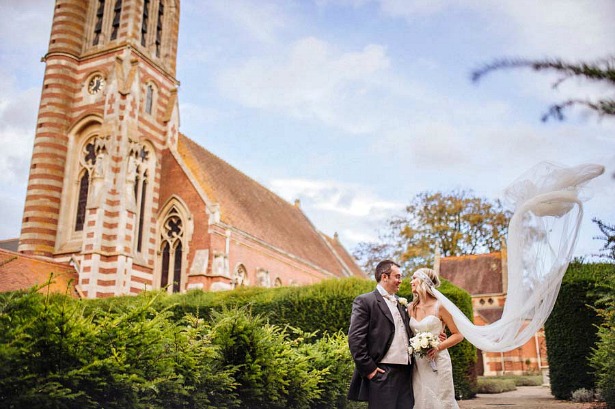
[{"x": 541, "y": 238}]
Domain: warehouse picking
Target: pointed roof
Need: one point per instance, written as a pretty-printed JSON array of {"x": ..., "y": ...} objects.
[
  {"x": 250, "y": 207},
  {"x": 343, "y": 256},
  {"x": 477, "y": 274},
  {"x": 19, "y": 272}
]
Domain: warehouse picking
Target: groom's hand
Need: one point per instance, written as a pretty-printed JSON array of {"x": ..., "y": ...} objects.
[{"x": 371, "y": 375}]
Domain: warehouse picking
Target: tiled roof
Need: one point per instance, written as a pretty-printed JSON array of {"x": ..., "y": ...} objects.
[
  {"x": 477, "y": 274},
  {"x": 19, "y": 272},
  {"x": 345, "y": 258},
  {"x": 250, "y": 207}
]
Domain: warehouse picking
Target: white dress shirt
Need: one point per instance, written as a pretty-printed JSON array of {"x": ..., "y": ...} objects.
[{"x": 398, "y": 352}]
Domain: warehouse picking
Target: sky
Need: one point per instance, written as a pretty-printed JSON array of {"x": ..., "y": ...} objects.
[{"x": 356, "y": 106}]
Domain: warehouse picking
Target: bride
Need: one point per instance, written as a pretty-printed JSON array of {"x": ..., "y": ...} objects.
[
  {"x": 542, "y": 234},
  {"x": 432, "y": 376}
]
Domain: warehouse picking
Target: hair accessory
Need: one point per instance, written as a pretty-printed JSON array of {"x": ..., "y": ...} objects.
[{"x": 420, "y": 274}]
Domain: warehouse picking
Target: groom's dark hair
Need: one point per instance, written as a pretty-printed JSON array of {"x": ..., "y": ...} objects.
[{"x": 384, "y": 267}]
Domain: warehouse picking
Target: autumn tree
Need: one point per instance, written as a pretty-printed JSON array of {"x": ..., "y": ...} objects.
[{"x": 455, "y": 223}]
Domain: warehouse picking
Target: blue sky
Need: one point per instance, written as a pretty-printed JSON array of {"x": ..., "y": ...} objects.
[{"x": 355, "y": 106}]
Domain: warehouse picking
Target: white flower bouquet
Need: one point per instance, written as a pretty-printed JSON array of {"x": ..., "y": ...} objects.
[{"x": 421, "y": 344}]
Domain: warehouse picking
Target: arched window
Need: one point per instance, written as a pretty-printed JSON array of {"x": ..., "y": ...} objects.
[
  {"x": 263, "y": 278},
  {"x": 277, "y": 282},
  {"x": 241, "y": 276},
  {"x": 172, "y": 236},
  {"x": 117, "y": 14},
  {"x": 98, "y": 24},
  {"x": 149, "y": 98},
  {"x": 140, "y": 169},
  {"x": 145, "y": 22},
  {"x": 159, "y": 27},
  {"x": 90, "y": 162},
  {"x": 152, "y": 26}
]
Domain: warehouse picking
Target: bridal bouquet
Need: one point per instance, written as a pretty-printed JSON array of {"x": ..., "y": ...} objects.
[{"x": 420, "y": 345}]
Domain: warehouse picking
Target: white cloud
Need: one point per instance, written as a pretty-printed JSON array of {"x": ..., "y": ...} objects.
[
  {"x": 333, "y": 196},
  {"x": 313, "y": 81},
  {"x": 17, "y": 123},
  {"x": 259, "y": 21}
]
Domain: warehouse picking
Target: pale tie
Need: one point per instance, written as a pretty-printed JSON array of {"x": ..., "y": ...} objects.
[{"x": 391, "y": 298}]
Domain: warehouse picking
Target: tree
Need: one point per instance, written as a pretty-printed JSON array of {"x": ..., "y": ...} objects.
[
  {"x": 455, "y": 223},
  {"x": 601, "y": 71}
]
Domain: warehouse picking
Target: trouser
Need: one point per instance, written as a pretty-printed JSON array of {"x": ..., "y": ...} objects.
[{"x": 391, "y": 389}]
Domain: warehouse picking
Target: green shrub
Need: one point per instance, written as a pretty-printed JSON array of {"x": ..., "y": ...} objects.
[
  {"x": 55, "y": 355},
  {"x": 254, "y": 347},
  {"x": 571, "y": 330},
  {"x": 269, "y": 371},
  {"x": 495, "y": 385}
]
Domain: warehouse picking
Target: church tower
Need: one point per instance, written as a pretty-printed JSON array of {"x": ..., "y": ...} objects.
[{"x": 108, "y": 110}]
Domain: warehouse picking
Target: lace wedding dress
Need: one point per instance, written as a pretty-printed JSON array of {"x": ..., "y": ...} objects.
[{"x": 432, "y": 390}]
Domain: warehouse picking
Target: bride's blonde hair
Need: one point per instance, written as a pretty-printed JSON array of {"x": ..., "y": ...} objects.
[{"x": 428, "y": 280}]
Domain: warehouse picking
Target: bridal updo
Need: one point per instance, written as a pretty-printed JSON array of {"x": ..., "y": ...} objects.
[{"x": 428, "y": 279}]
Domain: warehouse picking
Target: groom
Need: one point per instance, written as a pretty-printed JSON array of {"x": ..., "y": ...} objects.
[{"x": 378, "y": 340}]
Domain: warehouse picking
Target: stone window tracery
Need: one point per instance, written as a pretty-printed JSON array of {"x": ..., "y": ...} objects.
[
  {"x": 139, "y": 170},
  {"x": 172, "y": 237},
  {"x": 90, "y": 165}
]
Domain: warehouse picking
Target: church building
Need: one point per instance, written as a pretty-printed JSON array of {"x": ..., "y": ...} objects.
[{"x": 116, "y": 192}]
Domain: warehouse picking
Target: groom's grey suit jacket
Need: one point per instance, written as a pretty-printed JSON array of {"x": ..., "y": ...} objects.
[{"x": 369, "y": 337}]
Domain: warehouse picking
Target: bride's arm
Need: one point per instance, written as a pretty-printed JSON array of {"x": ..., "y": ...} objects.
[{"x": 455, "y": 337}]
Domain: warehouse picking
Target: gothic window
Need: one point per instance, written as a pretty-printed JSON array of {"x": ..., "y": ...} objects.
[
  {"x": 140, "y": 168},
  {"x": 115, "y": 25},
  {"x": 172, "y": 251},
  {"x": 159, "y": 28},
  {"x": 90, "y": 163},
  {"x": 277, "y": 282},
  {"x": 149, "y": 98},
  {"x": 82, "y": 201},
  {"x": 145, "y": 22},
  {"x": 152, "y": 26},
  {"x": 241, "y": 276},
  {"x": 98, "y": 25},
  {"x": 263, "y": 278}
]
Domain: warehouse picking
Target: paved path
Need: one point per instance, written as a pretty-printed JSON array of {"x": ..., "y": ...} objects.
[{"x": 526, "y": 397}]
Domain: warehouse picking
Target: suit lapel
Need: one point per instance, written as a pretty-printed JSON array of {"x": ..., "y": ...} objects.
[{"x": 382, "y": 304}]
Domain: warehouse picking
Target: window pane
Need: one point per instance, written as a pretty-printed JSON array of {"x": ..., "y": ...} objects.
[{"x": 82, "y": 201}]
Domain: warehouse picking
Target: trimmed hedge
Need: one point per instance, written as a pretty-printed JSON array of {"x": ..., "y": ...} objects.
[
  {"x": 571, "y": 330},
  {"x": 254, "y": 347},
  {"x": 495, "y": 385}
]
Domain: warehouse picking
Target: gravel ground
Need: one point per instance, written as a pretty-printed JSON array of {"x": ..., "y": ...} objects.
[{"x": 526, "y": 397}]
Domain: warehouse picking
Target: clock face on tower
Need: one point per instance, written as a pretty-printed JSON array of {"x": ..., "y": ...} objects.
[{"x": 96, "y": 84}]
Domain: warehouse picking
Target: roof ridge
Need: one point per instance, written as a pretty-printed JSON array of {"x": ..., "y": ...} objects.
[{"x": 36, "y": 258}]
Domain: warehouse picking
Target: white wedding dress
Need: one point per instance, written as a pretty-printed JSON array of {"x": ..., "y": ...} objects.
[{"x": 432, "y": 390}]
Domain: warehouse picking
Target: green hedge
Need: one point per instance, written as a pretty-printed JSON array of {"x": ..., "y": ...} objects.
[
  {"x": 254, "y": 347},
  {"x": 603, "y": 356},
  {"x": 571, "y": 330}
]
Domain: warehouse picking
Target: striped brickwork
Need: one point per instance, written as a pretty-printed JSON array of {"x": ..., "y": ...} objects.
[{"x": 105, "y": 249}]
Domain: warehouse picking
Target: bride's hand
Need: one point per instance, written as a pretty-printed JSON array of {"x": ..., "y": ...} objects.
[{"x": 433, "y": 353}]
